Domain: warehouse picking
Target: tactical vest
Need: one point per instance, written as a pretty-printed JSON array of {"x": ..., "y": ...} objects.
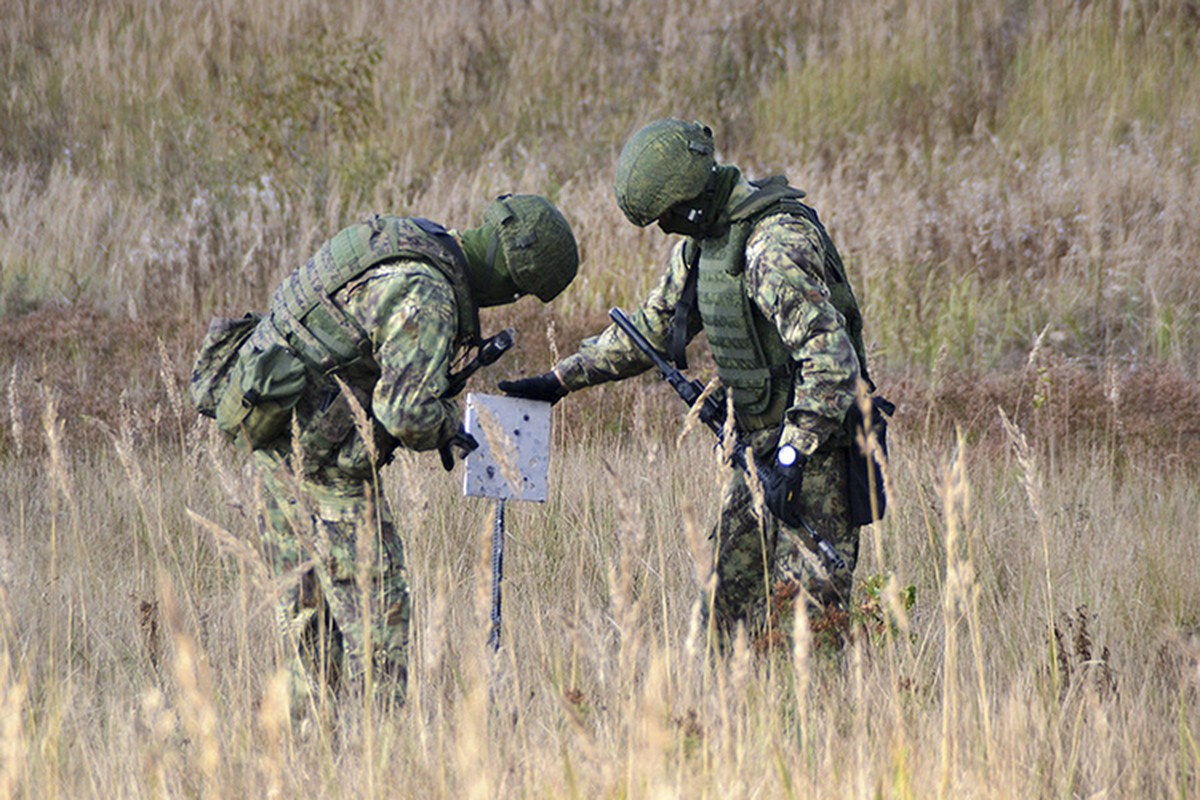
[
  {"x": 319, "y": 330},
  {"x": 751, "y": 357}
]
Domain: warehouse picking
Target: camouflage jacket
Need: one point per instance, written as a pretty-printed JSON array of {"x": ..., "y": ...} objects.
[
  {"x": 785, "y": 280},
  {"x": 410, "y": 312}
]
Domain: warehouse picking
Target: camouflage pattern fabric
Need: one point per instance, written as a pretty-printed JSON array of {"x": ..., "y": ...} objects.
[
  {"x": 785, "y": 280},
  {"x": 664, "y": 163},
  {"x": 766, "y": 568},
  {"x": 411, "y": 311},
  {"x": 352, "y": 605},
  {"x": 322, "y": 503},
  {"x": 536, "y": 242}
]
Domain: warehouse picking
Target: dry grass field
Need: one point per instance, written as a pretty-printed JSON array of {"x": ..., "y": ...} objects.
[{"x": 1013, "y": 186}]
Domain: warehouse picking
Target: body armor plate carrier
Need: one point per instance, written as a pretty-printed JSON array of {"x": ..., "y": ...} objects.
[
  {"x": 319, "y": 330},
  {"x": 750, "y": 355}
]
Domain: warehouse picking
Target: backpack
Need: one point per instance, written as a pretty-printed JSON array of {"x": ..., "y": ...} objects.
[
  {"x": 264, "y": 387},
  {"x": 216, "y": 357},
  {"x": 250, "y": 391}
]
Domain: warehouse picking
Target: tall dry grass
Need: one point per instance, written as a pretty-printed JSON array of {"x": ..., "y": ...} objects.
[
  {"x": 1052, "y": 650},
  {"x": 1012, "y": 187},
  {"x": 989, "y": 169}
]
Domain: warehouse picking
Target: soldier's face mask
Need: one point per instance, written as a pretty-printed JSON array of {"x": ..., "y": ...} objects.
[
  {"x": 487, "y": 267},
  {"x": 703, "y": 216},
  {"x": 696, "y": 215},
  {"x": 687, "y": 218}
]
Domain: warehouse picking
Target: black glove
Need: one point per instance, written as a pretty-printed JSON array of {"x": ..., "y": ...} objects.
[
  {"x": 461, "y": 441},
  {"x": 781, "y": 484},
  {"x": 546, "y": 387}
]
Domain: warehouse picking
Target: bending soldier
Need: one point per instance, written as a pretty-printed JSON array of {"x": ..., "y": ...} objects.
[
  {"x": 758, "y": 272},
  {"x": 385, "y": 307}
]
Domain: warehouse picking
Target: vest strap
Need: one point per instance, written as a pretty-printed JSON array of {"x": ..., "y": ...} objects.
[
  {"x": 677, "y": 333},
  {"x": 305, "y": 312}
]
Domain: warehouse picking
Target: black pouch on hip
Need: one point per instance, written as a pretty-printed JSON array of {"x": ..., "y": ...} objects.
[{"x": 866, "y": 495}]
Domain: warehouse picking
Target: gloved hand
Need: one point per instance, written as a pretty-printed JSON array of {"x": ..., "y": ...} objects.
[
  {"x": 546, "y": 387},
  {"x": 781, "y": 484},
  {"x": 461, "y": 441}
]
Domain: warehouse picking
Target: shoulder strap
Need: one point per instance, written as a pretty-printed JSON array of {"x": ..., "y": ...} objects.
[
  {"x": 330, "y": 337},
  {"x": 767, "y": 192},
  {"x": 468, "y": 312},
  {"x": 773, "y": 195},
  {"x": 677, "y": 333}
]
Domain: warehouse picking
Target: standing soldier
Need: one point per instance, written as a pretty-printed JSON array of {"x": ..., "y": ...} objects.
[
  {"x": 381, "y": 312},
  {"x": 758, "y": 272}
]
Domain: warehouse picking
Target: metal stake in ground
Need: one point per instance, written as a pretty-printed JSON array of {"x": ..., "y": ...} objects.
[{"x": 497, "y": 575}]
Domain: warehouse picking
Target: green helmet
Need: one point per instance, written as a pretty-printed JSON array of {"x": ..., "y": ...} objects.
[
  {"x": 664, "y": 163},
  {"x": 539, "y": 247}
]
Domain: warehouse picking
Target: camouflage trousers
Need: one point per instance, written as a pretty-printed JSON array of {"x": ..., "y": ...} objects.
[
  {"x": 765, "y": 568},
  {"x": 345, "y": 618}
]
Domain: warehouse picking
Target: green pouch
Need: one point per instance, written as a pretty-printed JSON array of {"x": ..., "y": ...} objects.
[
  {"x": 216, "y": 358},
  {"x": 264, "y": 387},
  {"x": 328, "y": 427}
]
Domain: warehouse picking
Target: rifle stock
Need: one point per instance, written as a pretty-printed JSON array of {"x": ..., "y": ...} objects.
[{"x": 489, "y": 353}]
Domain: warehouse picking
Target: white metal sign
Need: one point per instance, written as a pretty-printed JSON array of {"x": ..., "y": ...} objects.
[{"x": 513, "y": 458}]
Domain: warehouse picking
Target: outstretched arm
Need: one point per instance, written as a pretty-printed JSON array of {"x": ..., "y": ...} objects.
[{"x": 610, "y": 355}]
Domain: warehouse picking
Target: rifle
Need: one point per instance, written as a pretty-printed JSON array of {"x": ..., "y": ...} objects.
[
  {"x": 712, "y": 414},
  {"x": 488, "y": 353}
]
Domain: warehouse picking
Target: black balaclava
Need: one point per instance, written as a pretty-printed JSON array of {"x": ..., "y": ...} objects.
[{"x": 703, "y": 216}]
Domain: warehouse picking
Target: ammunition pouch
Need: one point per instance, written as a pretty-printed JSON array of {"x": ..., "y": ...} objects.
[{"x": 264, "y": 387}]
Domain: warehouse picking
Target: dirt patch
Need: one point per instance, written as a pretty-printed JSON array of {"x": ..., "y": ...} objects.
[
  {"x": 106, "y": 371},
  {"x": 95, "y": 368},
  {"x": 1140, "y": 411}
]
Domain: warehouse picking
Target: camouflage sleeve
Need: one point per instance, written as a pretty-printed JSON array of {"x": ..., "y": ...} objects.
[
  {"x": 610, "y": 355},
  {"x": 785, "y": 277},
  {"x": 410, "y": 307}
]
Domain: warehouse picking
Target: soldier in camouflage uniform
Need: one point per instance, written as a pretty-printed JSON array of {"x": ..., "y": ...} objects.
[
  {"x": 758, "y": 272},
  {"x": 385, "y": 308}
]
